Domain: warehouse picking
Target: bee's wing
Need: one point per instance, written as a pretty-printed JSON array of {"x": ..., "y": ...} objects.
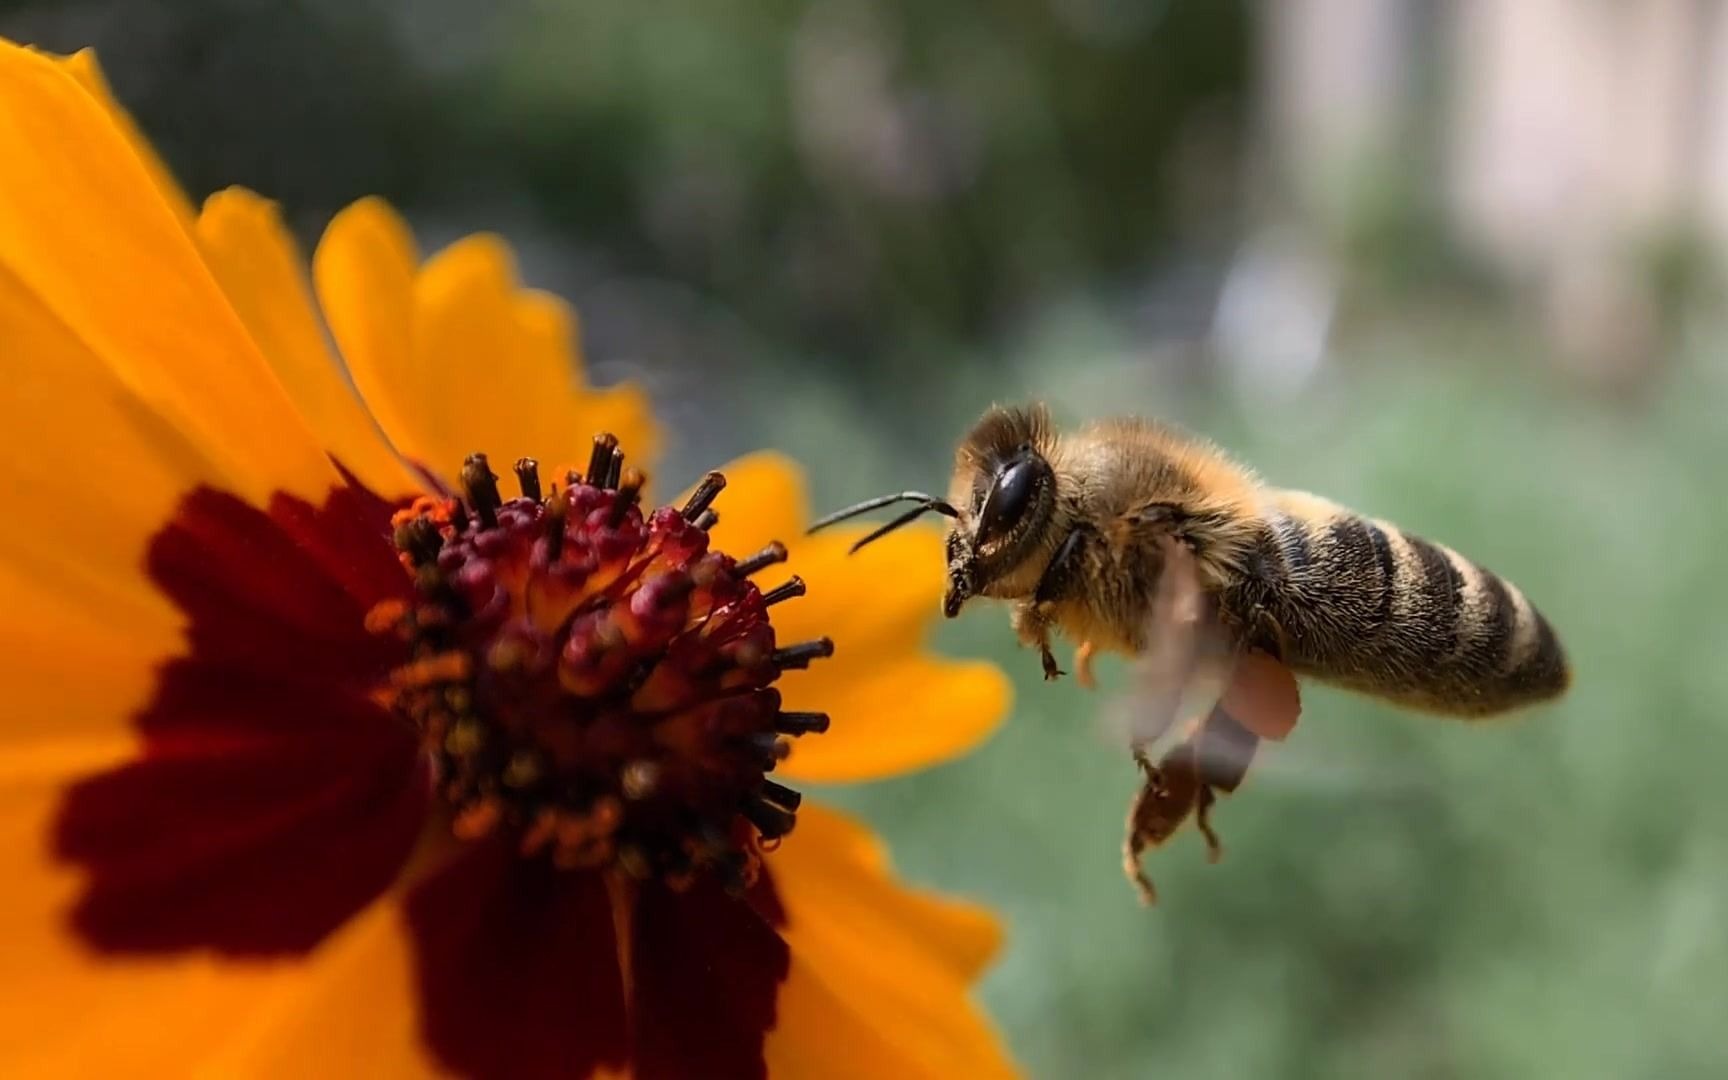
[{"x": 1189, "y": 666}]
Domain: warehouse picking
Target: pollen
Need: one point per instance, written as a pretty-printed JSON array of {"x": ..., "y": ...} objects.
[{"x": 592, "y": 677}]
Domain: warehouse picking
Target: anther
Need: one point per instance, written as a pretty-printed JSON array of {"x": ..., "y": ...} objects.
[
  {"x": 781, "y": 795},
  {"x": 768, "y": 556},
  {"x": 770, "y": 747},
  {"x": 481, "y": 488},
  {"x": 614, "y": 469},
  {"x": 629, "y": 488},
  {"x": 600, "y": 462},
  {"x": 771, "y": 821},
  {"x": 703, "y": 497},
  {"x": 528, "y": 475},
  {"x": 785, "y": 591},
  {"x": 799, "y": 656},
  {"x": 801, "y": 723},
  {"x": 706, "y": 520},
  {"x": 523, "y": 769},
  {"x": 419, "y": 539}
]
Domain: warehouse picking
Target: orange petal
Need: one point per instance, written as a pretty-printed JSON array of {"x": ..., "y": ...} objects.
[
  {"x": 89, "y": 248},
  {"x": 458, "y": 357},
  {"x": 81, "y": 627},
  {"x": 503, "y": 360},
  {"x": 880, "y": 980},
  {"x": 349, "y": 1009},
  {"x": 82, "y": 66},
  {"x": 255, "y": 260},
  {"x": 894, "y": 705},
  {"x": 764, "y": 501},
  {"x": 905, "y": 714},
  {"x": 363, "y": 271},
  {"x": 65, "y": 1011}
]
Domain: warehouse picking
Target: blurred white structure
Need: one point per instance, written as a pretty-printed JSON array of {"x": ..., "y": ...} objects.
[{"x": 1570, "y": 136}]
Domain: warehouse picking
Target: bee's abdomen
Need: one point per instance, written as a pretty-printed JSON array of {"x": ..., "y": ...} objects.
[{"x": 1361, "y": 603}]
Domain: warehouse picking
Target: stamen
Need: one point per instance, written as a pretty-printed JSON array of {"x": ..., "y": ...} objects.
[
  {"x": 801, "y": 723},
  {"x": 598, "y": 686},
  {"x": 481, "y": 488},
  {"x": 703, "y": 497},
  {"x": 768, "y": 556},
  {"x": 770, "y": 748},
  {"x": 781, "y": 794},
  {"x": 785, "y": 591},
  {"x": 629, "y": 489},
  {"x": 798, "y": 657},
  {"x": 770, "y": 820},
  {"x": 600, "y": 462},
  {"x": 528, "y": 475},
  {"x": 419, "y": 540}
]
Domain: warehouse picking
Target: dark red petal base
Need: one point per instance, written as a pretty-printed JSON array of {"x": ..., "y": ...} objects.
[
  {"x": 273, "y": 799},
  {"x": 519, "y": 972}
]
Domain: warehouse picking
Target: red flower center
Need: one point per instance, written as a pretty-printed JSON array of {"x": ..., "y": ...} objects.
[{"x": 593, "y": 677}]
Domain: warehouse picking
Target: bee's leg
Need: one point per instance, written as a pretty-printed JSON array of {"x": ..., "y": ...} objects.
[
  {"x": 1203, "y": 818},
  {"x": 1132, "y": 848},
  {"x": 1164, "y": 802},
  {"x": 1053, "y": 583},
  {"x": 1135, "y": 843},
  {"x": 1048, "y": 660},
  {"x": 1032, "y": 625},
  {"x": 1033, "y": 620},
  {"x": 1083, "y": 665}
]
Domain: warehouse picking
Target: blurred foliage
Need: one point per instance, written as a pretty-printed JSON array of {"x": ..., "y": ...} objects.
[
  {"x": 870, "y": 180},
  {"x": 843, "y": 228}
]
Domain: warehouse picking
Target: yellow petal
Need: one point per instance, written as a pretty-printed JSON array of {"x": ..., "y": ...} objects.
[
  {"x": 457, "y": 357},
  {"x": 82, "y": 66},
  {"x": 256, "y": 261},
  {"x": 880, "y": 980},
  {"x": 89, "y": 245},
  {"x": 503, "y": 364},
  {"x": 363, "y": 271},
  {"x": 349, "y": 1009},
  {"x": 764, "y": 501},
  {"x": 565, "y": 419},
  {"x": 894, "y": 705},
  {"x": 65, "y": 1011},
  {"x": 907, "y": 714}
]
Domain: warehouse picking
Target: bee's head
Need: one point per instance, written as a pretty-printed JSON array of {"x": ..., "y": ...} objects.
[
  {"x": 1001, "y": 499},
  {"x": 1005, "y": 493}
]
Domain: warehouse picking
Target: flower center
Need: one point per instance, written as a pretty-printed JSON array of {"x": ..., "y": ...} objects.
[{"x": 593, "y": 677}]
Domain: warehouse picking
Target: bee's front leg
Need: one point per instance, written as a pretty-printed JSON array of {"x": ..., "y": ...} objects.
[{"x": 1033, "y": 624}]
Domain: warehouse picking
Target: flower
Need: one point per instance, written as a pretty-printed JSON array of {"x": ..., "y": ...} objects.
[{"x": 324, "y": 751}]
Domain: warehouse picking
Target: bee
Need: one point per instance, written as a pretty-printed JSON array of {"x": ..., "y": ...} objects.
[{"x": 1133, "y": 537}]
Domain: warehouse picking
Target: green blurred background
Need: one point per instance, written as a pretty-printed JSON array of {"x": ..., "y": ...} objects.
[{"x": 1453, "y": 263}]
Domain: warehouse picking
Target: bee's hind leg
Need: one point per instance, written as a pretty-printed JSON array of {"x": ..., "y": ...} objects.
[
  {"x": 1203, "y": 818},
  {"x": 1083, "y": 654}
]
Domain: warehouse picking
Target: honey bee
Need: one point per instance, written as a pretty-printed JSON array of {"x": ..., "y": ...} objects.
[{"x": 1133, "y": 537}]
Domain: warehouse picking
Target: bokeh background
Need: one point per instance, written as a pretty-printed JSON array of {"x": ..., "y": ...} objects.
[{"x": 1456, "y": 263}]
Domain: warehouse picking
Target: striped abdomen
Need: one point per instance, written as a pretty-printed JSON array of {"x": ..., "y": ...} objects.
[{"x": 1365, "y": 605}]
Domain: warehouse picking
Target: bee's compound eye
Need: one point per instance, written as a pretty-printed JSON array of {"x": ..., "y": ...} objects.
[{"x": 1009, "y": 496}]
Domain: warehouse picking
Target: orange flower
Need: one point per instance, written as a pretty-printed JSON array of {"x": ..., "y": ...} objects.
[{"x": 313, "y": 765}]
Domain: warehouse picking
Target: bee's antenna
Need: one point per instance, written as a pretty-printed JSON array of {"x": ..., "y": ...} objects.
[{"x": 930, "y": 502}]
